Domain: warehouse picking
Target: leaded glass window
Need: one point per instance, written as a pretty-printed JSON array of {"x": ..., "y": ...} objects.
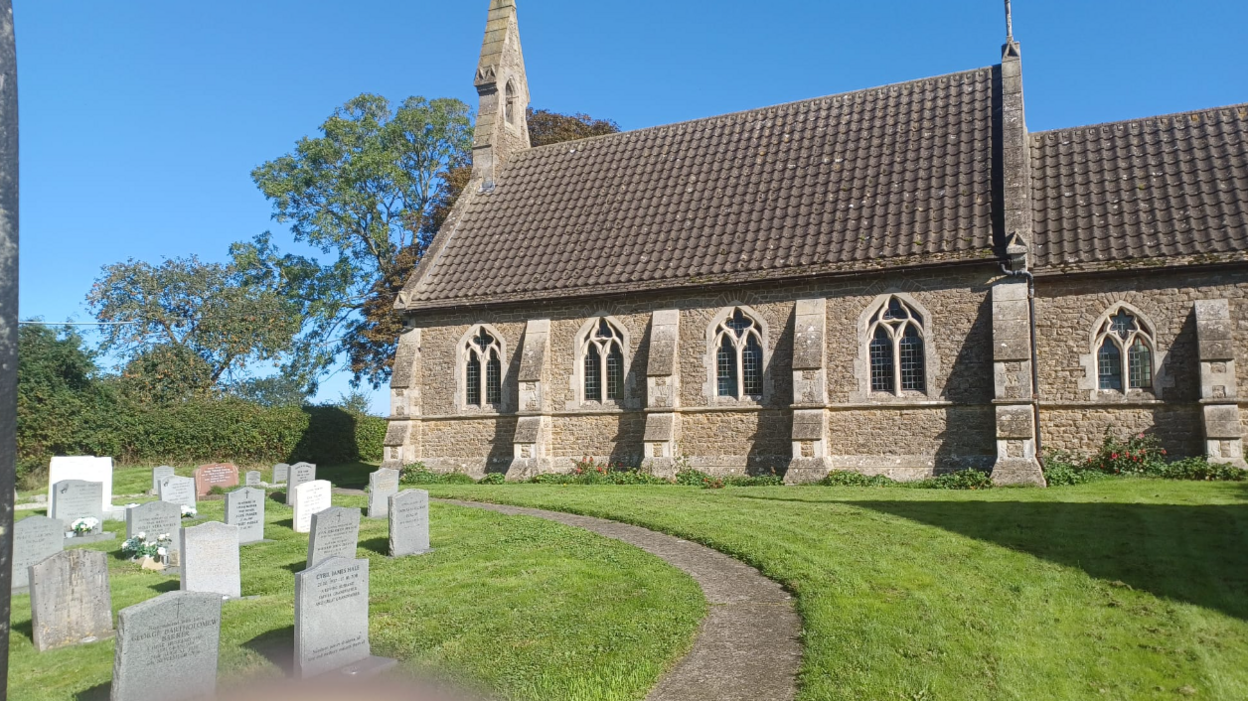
[
  {"x": 615, "y": 373},
  {"x": 593, "y": 375},
  {"x": 739, "y": 361},
  {"x": 1109, "y": 361},
  {"x": 483, "y": 349},
  {"x": 603, "y": 364},
  {"x": 473, "y": 380},
  {"x": 897, "y": 351},
  {"x": 1140, "y": 365},
  {"x": 1124, "y": 353}
]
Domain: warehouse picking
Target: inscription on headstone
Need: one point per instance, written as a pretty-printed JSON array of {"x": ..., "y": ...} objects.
[
  {"x": 210, "y": 560},
  {"x": 178, "y": 490},
  {"x": 281, "y": 473},
  {"x": 216, "y": 475},
  {"x": 409, "y": 523},
  {"x": 35, "y": 539},
  {"x": 69, "y": 599},
  {"x": 75, "y": 499},
  {"x": 310, "y": 498},
  {"x": 245, "y": 508},
  {"x": 335, "y": 533},
  {"x": 167, "y": 648},
  {"x": 300, "y": 473},
  {"x": 87, "y": 469},
  {"x": 331, "y": 616},
  {"x": 253, "y": 479},
  {"x": 382, "y": 485},
  {"x": 155, "y": 518},
  {"x": 158, "y": 474}
]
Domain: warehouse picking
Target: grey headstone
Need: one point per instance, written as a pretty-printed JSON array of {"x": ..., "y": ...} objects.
[
  {"x": 310, "y": 498},
  {"x": 75, "y": 499},
  {"x": 245, "y": 508},
  {"x": 281, "y": 473},
  {"x": 35, "y": 539},
  {"x": 167, "y": 648},
  {"x": 69, "y": 599},
  {"x": 300, "y": 473},
  {"x": 158, "y": 474},
  {"x": 154, "y": 518},
  {"x": 335, "y": 533},
  {"x": 409, "y": 523},
  {"x": 178, "y": 490},
  {"x": 331, "y": 616},
  {"x": 87, "y": 469},
  {"x": 210, "y": 560},
  {"x": 382, "y": 485},
  {"x": 253, "y": 479}
]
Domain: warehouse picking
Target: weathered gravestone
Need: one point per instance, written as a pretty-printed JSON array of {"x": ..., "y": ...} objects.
[
  {"x": 382, "y": 485},
  {"x": 331, "y": 620},
  {"x": 70, "y": 602},
  {"x": 409, "y": 523},
  {"x": 245, "y": 508},
  {"x": 158, "y": 474},
  {"x": 310, "y": 498},
  {"x": 155, "y": 518},
  {"x": 178, "y": 490},
  {"x": 210, "y": 560},
  {"x": 335, "y": 533},
  {"x": 167, "y": 648},
  {"x": 216, "y": 475},
  {"x": 87, "y": 469},
  {"x": 300, "y": 473},
  {"x": 253, "y": 479},
  {"x": 281, "y": 473},
  {"x": 35, "y": 539},
  {"x": 75, "y": 499}
]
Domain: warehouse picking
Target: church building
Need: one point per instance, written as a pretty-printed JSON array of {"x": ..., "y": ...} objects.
[{"x": 901, "y": 281}]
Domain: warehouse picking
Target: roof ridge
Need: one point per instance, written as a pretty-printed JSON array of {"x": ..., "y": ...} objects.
[
  {"x": 741, "y": 113},
  {"x": 1241, "y": 106}
]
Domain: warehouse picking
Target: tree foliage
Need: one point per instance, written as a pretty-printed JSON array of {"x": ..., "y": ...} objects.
[{"x": 546, "y": 127}]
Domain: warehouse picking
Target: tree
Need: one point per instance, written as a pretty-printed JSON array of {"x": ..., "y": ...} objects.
[
  {"x": 187, "y": 327},
  {"x": 547, "y": 127}
]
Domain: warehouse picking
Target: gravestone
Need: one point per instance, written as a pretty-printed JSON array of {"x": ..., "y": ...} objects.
[
  {"x": 167, "y": 648},
  {"x": 245, "y": 508},
  {"x": 310, "y": 498},
  {"x": 331, "y": 620},
  {"x": 178, "y": 490},
  {"x": 158, "y": 474},
  {"x": 335, "y": 533},
  {"x": 155, "y": 518},
  {"x": 281, "y": 473},
  {"x": 216, "y": 475},
  {"x": 253, "y": 479},
  {"x": 409, "y": 523},
  {"x": 87, "y": 469},
  {"x": 382, "y": 485},
  {"x": 70, "y": 602},
  {"x": 210, "y": 560},
  {"x": 75, "y": 499},
  {"x": 300, "y": 473},
  {"x": 35, "y": 539}
]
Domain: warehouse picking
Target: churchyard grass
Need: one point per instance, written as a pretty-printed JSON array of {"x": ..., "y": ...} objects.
[
  {"x": 1123, "y": 589},
  {"x": 526, "y": 608}
]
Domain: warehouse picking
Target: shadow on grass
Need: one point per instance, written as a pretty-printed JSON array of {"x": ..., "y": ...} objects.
[
  {"x": 276, "y": 646},
  {"x": 279, "y": 497},
  {"x": 166, "y": 586},
  {"x": 349, "y": 476},
  {"x": 381, "y": 546},
  {"x": 1193, "y": 554},
  {"x": 296, "y": 567},
  {"x": 285, "y": 523},
  {"x": 25, "y": 628},
  {"x": 99, "y": 692}
]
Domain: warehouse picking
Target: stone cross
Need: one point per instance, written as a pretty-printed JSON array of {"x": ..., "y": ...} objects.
[
  {"x": 167, "y": 648},
  {"x": 301, "y": 472},
  {"x": 335, "y": 533},
  {"x": 281, "y": 473},
  {"x": 310, "y": 498},
  {"x": 35, "y": 538},
  {"x": 158, "y": 474},
  {"x": 70, "y": 601},
  {"x": 75, "y": 499},
  {"x": 178, "y": 490},
  {"x": 245, "y": 508},
  {"x": 331, "y": 620},
  {"x": 382, "y": 485},
  {"x": 409, "y": 523},
  {"x": 210, "y": 560},
  {"x": 216, "y": 475},
  {"x": 253, "y": 479},
  {"x": 87, "y": 469}
]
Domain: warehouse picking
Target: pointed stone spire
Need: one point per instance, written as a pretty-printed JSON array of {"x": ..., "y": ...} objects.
[
  {"x": 502, "y": 123},
  {"x": 1015, "y": 153}
]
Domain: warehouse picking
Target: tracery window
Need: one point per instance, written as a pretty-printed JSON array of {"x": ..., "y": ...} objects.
[
  {"x": 509, "y": 106},
  {"x": 1124, "y": 353},
  {"x": 739, "y": 357},
  {"x": 897, "y": 351},
  {"x": 483, "y": 370},
  {"x": 603, "y": 363}
]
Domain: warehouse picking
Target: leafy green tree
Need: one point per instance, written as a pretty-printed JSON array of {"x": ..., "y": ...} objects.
[{"x": 546, "y": 127}]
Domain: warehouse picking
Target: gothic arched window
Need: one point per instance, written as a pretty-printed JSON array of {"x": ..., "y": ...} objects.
[
  {"x": 483, "y": 370},
  {"x": 739, "y": 357},
  {"x": 897, "y": 351},
  {"x": 602, "y": 352},
  {"x": 509, "y": 104},
  {"x": 1124, "y": 353}
]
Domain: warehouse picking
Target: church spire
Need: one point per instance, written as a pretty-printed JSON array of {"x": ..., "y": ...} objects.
[{"x": 502, "y": 122}]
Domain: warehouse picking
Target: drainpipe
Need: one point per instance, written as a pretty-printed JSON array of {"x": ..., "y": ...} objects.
[{"x": 1035, "y": 356}]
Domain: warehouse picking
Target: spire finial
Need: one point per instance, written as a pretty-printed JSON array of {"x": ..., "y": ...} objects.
[{"x": 1009, "y": 21}]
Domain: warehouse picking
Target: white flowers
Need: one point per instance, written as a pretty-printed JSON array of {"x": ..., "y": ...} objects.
[
  {"x": 162, "y": 551},
  {"x": 139, "y": 546},
  {"x": 188, "y": 511},
  {"x": 83, "y": 526}
]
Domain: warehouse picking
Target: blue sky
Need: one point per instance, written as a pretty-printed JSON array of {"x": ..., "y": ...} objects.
[{"x": 142, "y": 119}]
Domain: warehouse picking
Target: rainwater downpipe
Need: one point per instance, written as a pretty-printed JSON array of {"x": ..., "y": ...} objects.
[{"x": 1035, "y": 356}]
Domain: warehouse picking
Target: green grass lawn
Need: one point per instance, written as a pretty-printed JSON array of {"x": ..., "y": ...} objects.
[
  {"x": 1123, "y": 589},
  {"x": 526, "y": 608}
]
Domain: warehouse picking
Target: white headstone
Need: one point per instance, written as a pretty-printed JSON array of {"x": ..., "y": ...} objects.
[
  {"x": 310, "y": 498},
  {"x": 300, "y": 473},
  {"x": 210, "y": 560},
  {"x": 87, "y": 469},
  {"x": 245, "y": 508},
  {"x": 158, "y": 474},
  {"x": 75, "y": 499}
]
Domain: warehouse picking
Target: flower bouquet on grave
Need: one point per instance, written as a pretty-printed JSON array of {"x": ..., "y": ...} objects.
[
  {"x": 83, "y": 527},
  {"x": 153, "y": 553},
  {"x": 189, "y": 511}
]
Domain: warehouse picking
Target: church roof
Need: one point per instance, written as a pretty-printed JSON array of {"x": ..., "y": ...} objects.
[
  {"x": 1164, "y": 190},
  {"x": 895, "y": 176}
]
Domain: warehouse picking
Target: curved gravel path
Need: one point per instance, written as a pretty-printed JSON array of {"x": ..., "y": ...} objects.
[{"x": 747, "y": 648}]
